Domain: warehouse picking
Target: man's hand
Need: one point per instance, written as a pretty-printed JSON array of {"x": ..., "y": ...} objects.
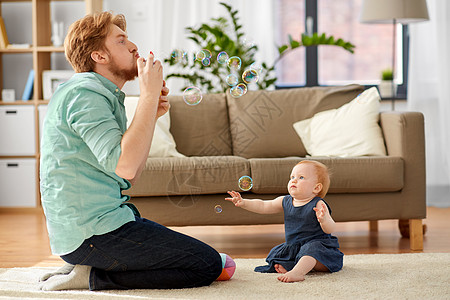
[
  {"x": 150, "y": 74},
  {"x": 163, "y": 105}
]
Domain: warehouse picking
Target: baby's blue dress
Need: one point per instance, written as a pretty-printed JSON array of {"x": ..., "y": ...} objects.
[{"x": 304, "y": 236}]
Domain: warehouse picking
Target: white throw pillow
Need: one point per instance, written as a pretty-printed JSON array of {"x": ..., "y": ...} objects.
[
  {"x": 350, "y": 130},
  {"x": 163, "y": 144}
]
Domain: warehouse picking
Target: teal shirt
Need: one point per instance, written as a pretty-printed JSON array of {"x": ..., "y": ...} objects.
[{"x": 80, "y": 147}]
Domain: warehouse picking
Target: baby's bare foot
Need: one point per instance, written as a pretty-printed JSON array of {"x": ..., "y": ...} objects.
[
  {"x": 291, "y": 277},
  {"x": 280, "y": 269}
]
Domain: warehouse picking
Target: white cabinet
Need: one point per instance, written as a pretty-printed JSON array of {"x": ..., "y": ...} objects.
[
  {"x": 18, "y": 176},
  {"x": 17, "y": 130},
  {"x": 18, "y": 182}
]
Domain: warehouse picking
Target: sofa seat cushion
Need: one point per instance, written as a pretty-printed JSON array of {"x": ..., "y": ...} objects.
[
  {"x": 190, "y": 175},
  {"x": 365, "y": 174}
]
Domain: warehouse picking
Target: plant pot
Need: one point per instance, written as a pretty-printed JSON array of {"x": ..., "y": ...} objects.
[{"x": 385, "y": 88}]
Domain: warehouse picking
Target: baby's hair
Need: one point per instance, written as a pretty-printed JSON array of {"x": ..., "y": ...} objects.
[{"x": 323, "y": 175}]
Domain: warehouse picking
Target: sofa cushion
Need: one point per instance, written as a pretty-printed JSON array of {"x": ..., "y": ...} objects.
[
  {"x": 203, "y": 129},
  {"x": 190, "y": 175},
  {"x": 366, "y": 174},
  {"x": 350, "y": 130},
  {"x": 261, "y": 121}
]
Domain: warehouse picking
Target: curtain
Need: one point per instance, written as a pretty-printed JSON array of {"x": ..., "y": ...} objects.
[
  {"x": 159, "y": 26},
  {"x": 429, "y": 79}
]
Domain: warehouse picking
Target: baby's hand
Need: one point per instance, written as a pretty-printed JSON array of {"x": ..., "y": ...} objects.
[
  {"x": 320, "y": 210},
  {"x": 236, "y": 199}
]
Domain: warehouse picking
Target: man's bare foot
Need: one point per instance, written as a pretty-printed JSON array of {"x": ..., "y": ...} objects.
[
  {"x": 291, "y": 277},
  {"x": 280, "y": 269}
]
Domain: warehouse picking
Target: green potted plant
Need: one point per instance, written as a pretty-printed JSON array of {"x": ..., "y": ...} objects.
[{"x": 387, "y": 85}]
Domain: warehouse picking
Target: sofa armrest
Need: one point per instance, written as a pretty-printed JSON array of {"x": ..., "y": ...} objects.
[
  {"x": 404, "y": 136},
  {"x": 403, "y": 131}
]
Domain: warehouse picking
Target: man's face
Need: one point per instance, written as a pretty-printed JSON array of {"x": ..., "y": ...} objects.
[{"x": 123, "y": 54}]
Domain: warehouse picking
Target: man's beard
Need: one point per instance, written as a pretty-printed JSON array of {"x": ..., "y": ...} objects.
[{"x": 125, "y": 74}]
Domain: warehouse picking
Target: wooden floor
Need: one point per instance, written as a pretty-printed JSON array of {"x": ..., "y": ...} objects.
[{"x": 24, "y": 241}]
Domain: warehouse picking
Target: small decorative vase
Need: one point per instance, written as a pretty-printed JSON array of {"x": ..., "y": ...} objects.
[{"x": 385, "y": 88}]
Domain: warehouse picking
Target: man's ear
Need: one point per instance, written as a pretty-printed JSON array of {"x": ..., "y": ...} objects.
[{"x": 100, "y": 57}]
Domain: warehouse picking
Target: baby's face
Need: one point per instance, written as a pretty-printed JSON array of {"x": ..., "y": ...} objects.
[{"x": 303, "y": 182}]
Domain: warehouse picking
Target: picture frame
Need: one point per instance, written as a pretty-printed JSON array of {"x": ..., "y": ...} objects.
[{"x": 51, "y": 79}]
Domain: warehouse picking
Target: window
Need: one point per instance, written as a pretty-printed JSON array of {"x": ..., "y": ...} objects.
[
  {"x": 290, "y": 18},
  {"x": 329, "y": 65}
]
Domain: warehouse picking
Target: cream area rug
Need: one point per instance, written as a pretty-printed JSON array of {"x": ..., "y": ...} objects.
[{"x": 376, "y": 276}]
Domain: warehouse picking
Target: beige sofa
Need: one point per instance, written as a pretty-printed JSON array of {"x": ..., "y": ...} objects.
[{"x": 224, "y": 138}]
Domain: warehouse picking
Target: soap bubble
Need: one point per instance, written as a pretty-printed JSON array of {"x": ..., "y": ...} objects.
[
  {"x": 222, "y": 57},
  {"x": 218, "y": 209},
  {"x": 232, "y": 80},
  {"x": 245, "y": 183},
  {"x": 206, "y": 61},
  {"x": 177, "y": 55},
  {"x": 192, "y": 95},
  {"x": 185, "y": 58},
  {"x": 207, "y": 53},
  {"x": 258, "y": 68},
  {"x": 202, "y": 54},
  {"x": 250, "y": 76},
  {"x": 234, "y": 63},
  {"x": 238, "y": 90}
]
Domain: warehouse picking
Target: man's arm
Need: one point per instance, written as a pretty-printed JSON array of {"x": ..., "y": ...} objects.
[
  {"x": 163, "y": 108},
  {"x": 136, "y": 141}
]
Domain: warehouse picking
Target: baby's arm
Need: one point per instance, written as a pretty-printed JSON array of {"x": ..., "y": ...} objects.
[
  {"x": 257, "y": 205},
  {"x": 323, "y": 216}
]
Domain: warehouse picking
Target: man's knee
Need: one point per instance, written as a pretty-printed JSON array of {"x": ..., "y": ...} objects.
[{"x": 213, "y": 267}]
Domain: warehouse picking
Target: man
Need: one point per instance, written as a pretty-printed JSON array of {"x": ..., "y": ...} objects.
[{"x": 88, "y": 157}]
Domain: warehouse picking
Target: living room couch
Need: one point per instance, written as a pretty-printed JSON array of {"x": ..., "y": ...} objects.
[{"x": 224, "y": 138}]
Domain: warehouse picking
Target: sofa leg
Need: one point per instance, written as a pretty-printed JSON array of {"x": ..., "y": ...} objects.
[
  {"x": 416, "y": 234},
  {"x": 403, "y": 226},
  {"x": 373, "y": 226}
]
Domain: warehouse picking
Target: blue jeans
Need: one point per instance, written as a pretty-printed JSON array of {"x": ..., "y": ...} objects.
[{"x": 146, "y": 255}]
